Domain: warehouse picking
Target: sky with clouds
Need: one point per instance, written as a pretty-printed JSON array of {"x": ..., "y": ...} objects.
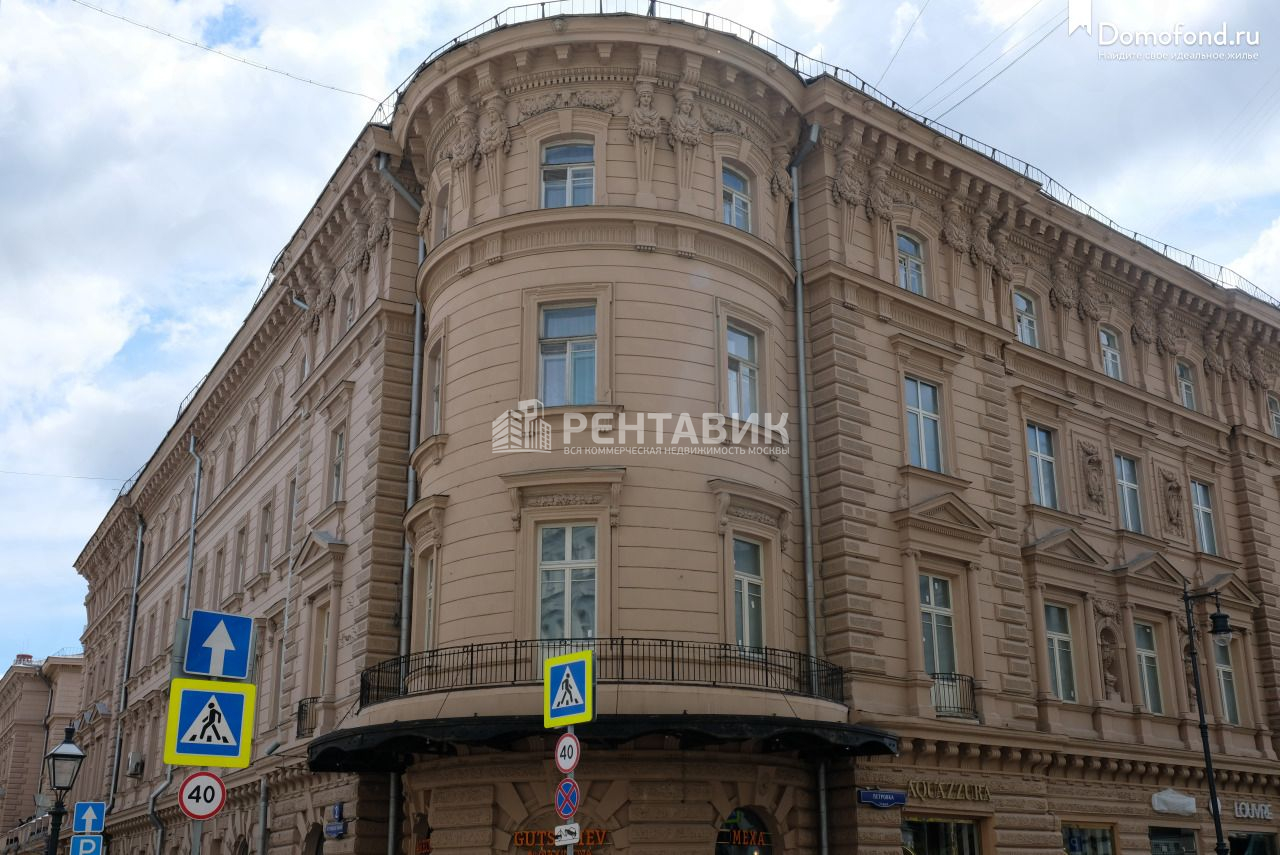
[{"x": 146, "y": 185}]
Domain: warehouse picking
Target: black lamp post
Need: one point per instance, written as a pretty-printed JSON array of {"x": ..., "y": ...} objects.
[
  {"x": 64, "y": 765},
  {"x": 1220, "y": 629}
]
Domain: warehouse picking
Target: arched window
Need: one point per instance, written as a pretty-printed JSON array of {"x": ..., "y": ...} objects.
[
  {"x": 1025, "y": 321},
  {"x": 744, "y": 833},
  {"x": 1110, "y": 341},
  {"x": 1186, "y": 383},
  {"x": 910, "y": 263},
  {"x": 737, "y": 199},
  {"x": 568, "y": 174}
]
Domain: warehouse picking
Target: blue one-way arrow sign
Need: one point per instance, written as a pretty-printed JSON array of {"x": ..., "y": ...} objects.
[
  {"x": 88, "y": 817},
  {"x": 218, "y": 645}
]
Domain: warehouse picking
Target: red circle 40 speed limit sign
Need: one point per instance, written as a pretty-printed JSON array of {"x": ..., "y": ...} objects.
[
  {"x": 202, "y": 795},
  {"x": 568, "y": 750}
]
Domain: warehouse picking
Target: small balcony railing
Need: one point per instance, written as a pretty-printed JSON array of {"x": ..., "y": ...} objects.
[
  {"x": 308, "y": 714},
  {"x": 953, "y": 696},
  {"x": 617, "y": 660}
]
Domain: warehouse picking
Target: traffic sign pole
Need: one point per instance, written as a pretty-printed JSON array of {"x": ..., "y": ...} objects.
[{"x": 569, "y": 848}]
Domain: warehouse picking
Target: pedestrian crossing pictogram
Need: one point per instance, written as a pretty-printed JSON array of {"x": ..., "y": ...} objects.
[
  {"x": 568, "y": 695},
  {"x": 567, "y": 690},
  {"x": 210, "y": 723}
]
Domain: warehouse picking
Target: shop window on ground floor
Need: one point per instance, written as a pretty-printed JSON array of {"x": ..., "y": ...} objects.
[
  {"x": 1243, "y": 843},
  {"x": 929, "y": 836},
  {"x": 1087, "y": 840},
  {"x": 1172, "y": 841},
  {"x": 744, "y": 833}
]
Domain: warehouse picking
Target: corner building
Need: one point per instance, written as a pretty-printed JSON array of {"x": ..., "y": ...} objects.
[{"x": 1029, "y": 431}]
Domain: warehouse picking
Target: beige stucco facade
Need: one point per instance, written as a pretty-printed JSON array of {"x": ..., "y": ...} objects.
[{"x": 1043, "y": 425}]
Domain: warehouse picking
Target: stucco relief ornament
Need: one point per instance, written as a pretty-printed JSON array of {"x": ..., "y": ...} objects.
[
  {"x": 1213, "y": 362},
  {"x": 1110, "y": 680},
  {"x": 424, "y": 219},
  {"x": 982, "y": 249},
  {"x": 1088, "y": 305},
  {"x": 848, "y": 186},
  {"x": 1239, "y": 366},
  {"x": 1063, "y": 293},
  {"x": 1144, "y": 326},
  {"x": 1172, "y": 488},
  {"x": 643, "y": 127},
  {"x": 1091, "y": 461},
  {"x": 685, "y": 134},
  {"x": 779, "y": 177},
  {"x": 955, "y": 228},
  {"x": 880, "y": 198},
  {"x": 1166, "y": 334},
  {"x": 463, "y": 151},
  {"x": 1003, "y": 266},
  {"x": 494, "y": 142}
]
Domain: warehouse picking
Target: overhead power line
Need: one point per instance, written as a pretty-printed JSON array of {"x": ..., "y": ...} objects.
[
  {"x": 1053, "y": 24},
  {"x": 52, "y": 475},
  {"x": 223, "y": 54},
  {"x": 979, "y": 53},
  {"x": 905, "y": 36}
]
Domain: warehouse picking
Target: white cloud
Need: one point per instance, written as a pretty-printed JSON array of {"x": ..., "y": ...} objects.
[{"x": 1260, "y": 263}]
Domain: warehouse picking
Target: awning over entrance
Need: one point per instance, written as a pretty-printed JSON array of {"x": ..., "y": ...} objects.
[{"x": 392, "y": 747}]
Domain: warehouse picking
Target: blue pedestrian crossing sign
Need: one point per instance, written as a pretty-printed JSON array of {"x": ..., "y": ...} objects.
[
  {"x": 88, "y": 817},
  {"x": 218, "y": 645},
  {"x": 568, "y": 689},
  {"x": 210, "y": 723},
  {"x": 86, "y": 844}
]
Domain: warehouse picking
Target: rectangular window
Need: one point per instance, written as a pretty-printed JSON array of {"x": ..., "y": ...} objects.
[
  {"x": 338, "y": 452},
  {"x": 320, "y": 651},
  {"x": 264, "y": 542},
  {"x": 427, "y": 585},
  {"x": 1273, "y": 410},
  {"x": 938, "y": 836},
  {"x": 924, "y": 425},
  {"x": 1024, "y": 312},
  {"x": 442, "y": 215},
  {"x": 1148, "y": 667},
  {"x": 219, "y": 576},
  {"x": 291, "y": 503},
  {"x": 1128, "y": 502},
  {"x": 242, "y": 548},
  {"x": 1186, "y": 385},
  {"x": 1041, "y": 466},
  {"x": 744, "y": 374},
  {"x": 568, "y": 175},
  {"x": 1202, "y": 510},
  {"x": 1062, "y": 672},
  {"x": 567, "y": 355},
  {"x": 251, "y": 438},
  {"x": 748, "y": 593},
  {"x": 1111, "y": 364},
  {"x": 910, "y": 264},
  {"x": 567, "y": 581},
  {"x": 1226, "y": 681},
  {"x": 938, "y": 621},
  {"x": 1087, "y": 840},
  {"x": 435, "y": 376},
  {"x": 736, "y": 199}
]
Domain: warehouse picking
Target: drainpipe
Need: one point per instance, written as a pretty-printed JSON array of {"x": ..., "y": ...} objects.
[
  {"x": 175, "y": 654},
  {"x": 808, "y": 141},
  {"x": 48, "y": 714},
  {"x": 411, "y": 494},
  {"x": 123, "y": 694}
]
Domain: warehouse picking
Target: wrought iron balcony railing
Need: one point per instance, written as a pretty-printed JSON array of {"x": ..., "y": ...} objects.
[
  {"x": 308, "y": 714},
  {"x": 617, "y": 660},
  {"x": 953, "y": 696}
]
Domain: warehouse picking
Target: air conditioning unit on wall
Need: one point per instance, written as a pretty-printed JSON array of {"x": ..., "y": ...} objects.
[{"x": 137, "y": 762}]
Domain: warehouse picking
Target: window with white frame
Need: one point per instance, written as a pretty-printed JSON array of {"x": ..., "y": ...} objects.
[
  {"x": 1109, "y": 339},
  {"x": 924, "y": 424},
  {"x": 567, "y": 581},
  {"x": 1025, "y": 322},
  {"x": 910, "y": 264},
  {"x": 277, "y": 407},
  {"x": 1273, "y": 410},
  {"x": 427, "y": 588},
  {"x": 337, "y": 462},
  {"x": 1041, "y": 466},
  {"x": 938, "y": 622},
  {"x": 242, "y": 548},
  {"x": 744, "y": 372},
  {"x": 264, "y": 541},
  {"x": 291, "y": 508},
  {"x": 736, "y": 198},
  {"x": 748, "y": 593},
  {"x": 442, "y": 214},
  {"x": 1062, "y": 672},
  {"x": 435, "y": 377},
  {"x": 1202, "y": 511},
  {"x": 567, "y": 355},
  {"x": 348, "y": 310},
  {"x": 1186, "y": 383},
  {"x": 320, "y": 649},
  {"x": 1148, "y": 667},
  {"x": 568, "y": 174},
  {"x": 1128, "y": 501},
  {"x": 1226, "y": 682}
]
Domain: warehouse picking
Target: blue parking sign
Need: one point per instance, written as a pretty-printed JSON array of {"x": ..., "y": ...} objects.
[
  {"x": 86, "y": 844},
  {"x": 218, "y": 645}
]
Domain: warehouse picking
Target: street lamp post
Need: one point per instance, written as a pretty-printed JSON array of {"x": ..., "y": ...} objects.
[
  {"x": 1220, "y": 629},
  {"x": 64, "y": 765}
]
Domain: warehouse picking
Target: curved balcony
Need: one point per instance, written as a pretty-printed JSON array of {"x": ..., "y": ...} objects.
[{"x": 617, "y": 660}]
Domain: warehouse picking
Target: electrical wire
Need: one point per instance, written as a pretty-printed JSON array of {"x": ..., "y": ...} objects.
[
  {"x": 223, "y": 54},
  {"x": 996, "y": 76},
  {"x": 905, "y": 36},
  {"x": 53, "y": 475},
  {"x": 943, "y": 99},
  {"x": 980, "y": 52}
]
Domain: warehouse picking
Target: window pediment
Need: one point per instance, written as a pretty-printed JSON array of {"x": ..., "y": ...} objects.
[
  {"x": 1153, "y": 569},
  {"x": 947, "y": 515},
  {"x": 584, "y": 486},
  {"x": 425, "y": 520},
  {"x": 738, "y": 501},
  {"x": 1065, "y": 547},
  {"x": 321, "y": 545}
]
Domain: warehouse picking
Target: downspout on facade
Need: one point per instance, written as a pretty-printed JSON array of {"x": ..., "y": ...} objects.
[
  {"x": 808, "y": 141},
  {"x": 122, "y": 695},
  {"x": 411, "y": 492}
]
